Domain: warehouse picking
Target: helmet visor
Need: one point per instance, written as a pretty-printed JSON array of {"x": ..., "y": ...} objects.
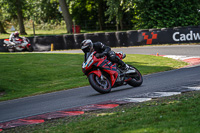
[{"x": 85, "y": 49}]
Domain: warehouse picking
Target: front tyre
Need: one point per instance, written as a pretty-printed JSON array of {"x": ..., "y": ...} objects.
[
  {"x": 102, "y": 85},
  {"x": 11, "y": 49},
  {"x": 137, "y": 78}
]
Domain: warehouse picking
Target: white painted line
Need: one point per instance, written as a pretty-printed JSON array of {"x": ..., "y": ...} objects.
[
  {"x": 136, "y": 100},
  {"x": 177, "y": 57},
  {"x": 160, "y": 94},
  {"x": 149, "y": 96},
  {"x": 166, "y": 94},
  {"x": 193, "y": 88},
  {"x": 180, "y": 57}
]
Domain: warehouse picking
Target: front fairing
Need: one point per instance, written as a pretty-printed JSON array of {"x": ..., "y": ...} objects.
[{"x": 88, "y": 61}]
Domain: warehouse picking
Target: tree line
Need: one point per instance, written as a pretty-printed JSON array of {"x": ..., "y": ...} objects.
[{"x": 141, "y": 14}]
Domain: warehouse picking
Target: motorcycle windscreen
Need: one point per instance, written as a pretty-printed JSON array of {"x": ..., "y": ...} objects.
[{"x": 87, "y": 54}]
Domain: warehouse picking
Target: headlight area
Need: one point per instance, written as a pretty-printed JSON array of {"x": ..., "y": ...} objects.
[
  {"x": 91, "y": 61},
  {"x": 87, "y": 64}
]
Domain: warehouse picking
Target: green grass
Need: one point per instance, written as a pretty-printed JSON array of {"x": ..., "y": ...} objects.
[
  {"x": 25, "y": 74},
  {"x": 30, "y": 74}
]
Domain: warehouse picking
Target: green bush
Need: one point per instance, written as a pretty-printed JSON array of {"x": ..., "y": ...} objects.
[{"x": 167, "y": 13}]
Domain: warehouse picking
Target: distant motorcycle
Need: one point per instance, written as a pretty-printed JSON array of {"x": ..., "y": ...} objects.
[
  {"x": 18, "y": 45},
  {"x": 104, "y": 75}
]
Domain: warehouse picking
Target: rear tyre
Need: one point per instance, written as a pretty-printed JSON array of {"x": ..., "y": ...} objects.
[
  {"x": 137, "y": 78},
  {"x": 101, "y": 85}
]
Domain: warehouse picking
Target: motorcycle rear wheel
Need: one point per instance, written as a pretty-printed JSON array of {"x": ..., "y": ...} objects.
[
  {"x": 30, "y": 48},
  {"x": 101, "y": 85},
  {"x": 137, "y": 79}
]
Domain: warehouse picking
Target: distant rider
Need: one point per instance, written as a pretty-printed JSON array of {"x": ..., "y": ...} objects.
[
  {"x": 102, "y": 50},
  {"x": 15, "y": 36}
]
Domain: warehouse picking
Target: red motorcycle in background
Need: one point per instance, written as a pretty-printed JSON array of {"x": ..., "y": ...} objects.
[
  {"x": 19, "y": 44},
  {"x": 104, "y": 75}
]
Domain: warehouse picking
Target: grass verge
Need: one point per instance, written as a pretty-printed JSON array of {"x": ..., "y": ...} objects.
[
  {"x": 25, "y": 74},
  {"x": 176, "y": 114}
]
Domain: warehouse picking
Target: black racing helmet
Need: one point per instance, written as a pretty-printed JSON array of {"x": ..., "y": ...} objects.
[{"x": 87, "y": 45}]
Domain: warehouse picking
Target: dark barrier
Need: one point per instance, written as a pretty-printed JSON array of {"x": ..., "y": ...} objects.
[
  {"x": 186, "y": 34},
  {"x": 143, "y": 36},
  {"x": 2, "y": 48},
  {"x": 191, "y": 27},
  {"x": 154, "y": 35},
  {"x": 69, "y": 42},
  {"x": 43, "y": 43},
  {"x": 96, "y": 37},
  {"x": 111, "y": 39},
  {"x": 165, "y": 35},
  {"x": 91, "y": 36},
  {"x": 132, "y": 36},
  {"x": 122, "y": 38},
  {"x": 189, "y": 34},
  {"x": 57, "y": 41},
  {"x": 78, "y": 38},
  {"x": 40, "y": 43},
  {"x": 193, "y": 35},
  {"x": 101, "y": 37}
]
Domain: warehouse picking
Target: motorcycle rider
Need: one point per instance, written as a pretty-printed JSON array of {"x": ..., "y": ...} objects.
[
  {"x": 13, "y": 36},
  {"x": 102, "y": 50}
]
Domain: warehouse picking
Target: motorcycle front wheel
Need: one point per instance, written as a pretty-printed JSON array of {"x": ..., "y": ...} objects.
[
  {"x": 102, "y": 85},
  {"x": 11, "y": 49},
  {"x": 137, "y": 78}
]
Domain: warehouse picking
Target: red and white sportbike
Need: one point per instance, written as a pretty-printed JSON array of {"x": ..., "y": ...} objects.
[
  {"x": 18, "y": 45},
  {"x": 104, "y": 75}
]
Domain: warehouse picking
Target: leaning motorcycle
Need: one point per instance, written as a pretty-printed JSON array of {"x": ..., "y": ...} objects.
[
  {"x": 18, "y": 45},
  {"x": 103, "y": 75}
]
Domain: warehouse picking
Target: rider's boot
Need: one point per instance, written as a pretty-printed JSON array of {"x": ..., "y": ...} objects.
[{"x": 125, "y": 67}]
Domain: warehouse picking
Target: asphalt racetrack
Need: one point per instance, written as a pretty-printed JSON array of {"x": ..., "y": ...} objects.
[{"x": 188, "y": 50}]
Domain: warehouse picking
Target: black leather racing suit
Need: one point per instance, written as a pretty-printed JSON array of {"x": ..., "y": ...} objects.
[{"x": 106, "y": 50}]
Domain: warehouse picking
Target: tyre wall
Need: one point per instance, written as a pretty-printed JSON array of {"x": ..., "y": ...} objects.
[
  {"x": 2, "y": 49},
  {"x": 111, "y": 39},
  {"x": 189, "y": 34}
]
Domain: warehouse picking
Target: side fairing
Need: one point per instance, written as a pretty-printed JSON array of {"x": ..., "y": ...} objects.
[
  {"x": 109, "y": 68},
  {"x": 107, "y": 65}
]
